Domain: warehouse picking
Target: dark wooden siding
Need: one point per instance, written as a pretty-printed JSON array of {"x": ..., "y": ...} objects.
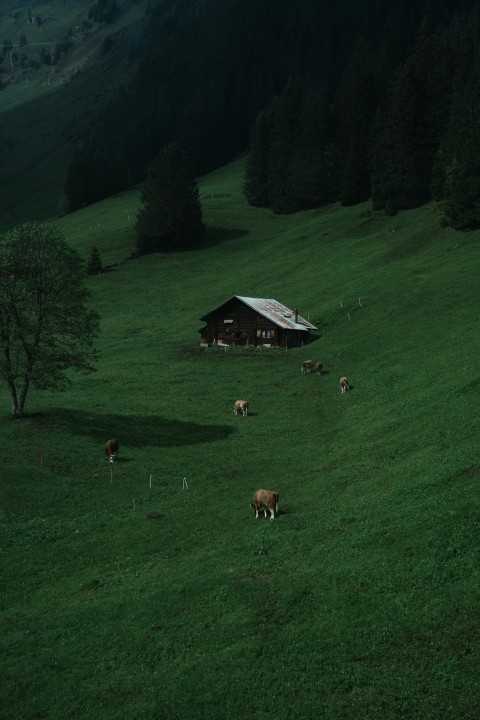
[{"x": 236, "y": 323}]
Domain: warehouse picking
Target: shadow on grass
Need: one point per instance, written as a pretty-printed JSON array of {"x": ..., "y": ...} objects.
[
  {"x": 132, "y": 431},
  {"x": 217, "y": 236}
]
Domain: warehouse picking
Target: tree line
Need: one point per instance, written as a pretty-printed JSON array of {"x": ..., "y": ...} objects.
[
  {"x": 334, "y": 101},
  {"x": 402, "y": 139}
]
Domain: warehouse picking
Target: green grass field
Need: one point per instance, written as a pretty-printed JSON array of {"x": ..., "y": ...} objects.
[{"x": 361, "y": 600}]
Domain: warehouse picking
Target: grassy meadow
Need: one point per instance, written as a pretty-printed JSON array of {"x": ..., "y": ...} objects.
[{"x": 361, "y": 599}]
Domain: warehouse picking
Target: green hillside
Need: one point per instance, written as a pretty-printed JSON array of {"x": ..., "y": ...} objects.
[
  {"x": 46, "y": 108},
  {"x": 146, "y": 589}
]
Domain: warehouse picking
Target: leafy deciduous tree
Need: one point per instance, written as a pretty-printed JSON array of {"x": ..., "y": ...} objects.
[{"x": 46, "y": 327}]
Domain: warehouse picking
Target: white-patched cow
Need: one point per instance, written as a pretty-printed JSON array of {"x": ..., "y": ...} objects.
[
  {"x": 266, "y": 500},
  {"x": 241, "y": 406},
  {"x": 307, "y": 366},
  {"x": 344, "y": 385},
  {"x": 318, "y": 368},
  {"x": 111, "y": 449}
]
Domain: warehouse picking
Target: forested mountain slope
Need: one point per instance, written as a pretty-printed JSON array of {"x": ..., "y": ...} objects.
[{"x": 353, "y": 100}]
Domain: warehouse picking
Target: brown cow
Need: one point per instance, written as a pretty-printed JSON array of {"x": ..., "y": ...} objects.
[
  {"x": 318, "y": 368},
  {"x": 307, "y": 366},
  {"x": 241, "y": 406},
  {"x": 111, "y": 449},
  {"x": 344, "y": 386},
  {"x": 266, "y": 500}
]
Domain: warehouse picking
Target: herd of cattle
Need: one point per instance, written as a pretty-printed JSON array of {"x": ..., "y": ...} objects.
[
  {"x": 309, "y": 366},
  {"x": 266, "y": 500}
]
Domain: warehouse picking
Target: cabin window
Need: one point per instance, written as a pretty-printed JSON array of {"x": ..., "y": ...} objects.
[
  {"x": 227, "y": 322},
  {"x": 265, "y": 333}
]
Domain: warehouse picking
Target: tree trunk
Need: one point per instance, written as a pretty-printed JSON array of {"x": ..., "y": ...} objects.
[
  {"x": 23, "y": 397},
  {"x": 16, "y": 410},
  {"x": 18, "y": 403}
]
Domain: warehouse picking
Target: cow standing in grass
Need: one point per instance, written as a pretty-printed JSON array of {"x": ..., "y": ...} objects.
[
  {"x": 241, "y": 406},
  {"x": 307, "y": 366},
  {"x": 344, "y": 385},
  {"x": 266, "y": 500},
  {"x": 111, "y": 449}
]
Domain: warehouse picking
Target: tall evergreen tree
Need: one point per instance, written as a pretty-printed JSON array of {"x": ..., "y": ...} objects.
[
  {"x": 463, "y": 38},
  {"x": 394, "y": 177},
  {"x": 171, "y": 216},
  {"x": 94, "y": 264},
  {"x": 257, "y": 167},
  {"x": 312, "y": 165},
  {"x": 411, "y": 125},
  {"x": 285, "y": 120},
  {"x": 461, "y": 157},
  {"x": 354, "y": 111}
]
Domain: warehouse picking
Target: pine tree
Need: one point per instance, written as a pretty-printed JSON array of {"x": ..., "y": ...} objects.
[
  {"x": 171, "y": 216},
  {"x": 312, "y": 164},
  {"x": 94, "y": 264},
  {"x": 257, "y": 168},
  {"x": 285, "y": 120},
  {"x": 357, "y": 97},
  {"x": 462, "y": 157},
  {"x": 463, "y": 40},
  {"x": 411, "y": 126}
]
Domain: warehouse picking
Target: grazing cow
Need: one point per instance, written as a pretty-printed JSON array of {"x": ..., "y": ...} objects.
[
  {"x": 307, "y": 366},
  {"x": 241, "y": 406},
  {"x": 266, "y": 500},
  {"x": 344, "y": 386},
  {"x": 111, "y": 449},
  {"x": 318, "y": 368}
]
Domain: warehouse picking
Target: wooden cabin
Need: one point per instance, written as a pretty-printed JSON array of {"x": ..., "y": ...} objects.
[{"x": 254, "y": 321}]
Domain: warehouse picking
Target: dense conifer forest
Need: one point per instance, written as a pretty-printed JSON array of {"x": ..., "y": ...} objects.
[{"x": 333, "y": 102}]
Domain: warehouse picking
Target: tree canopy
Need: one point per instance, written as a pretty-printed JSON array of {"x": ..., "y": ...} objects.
[
  {"x": 171, "y": 216},
  {"x": 46, "y": 326},
  {"x": 341, "y": 102}
]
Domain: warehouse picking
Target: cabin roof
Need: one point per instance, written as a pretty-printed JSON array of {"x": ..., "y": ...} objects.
[{"x": 272, "y": 310}]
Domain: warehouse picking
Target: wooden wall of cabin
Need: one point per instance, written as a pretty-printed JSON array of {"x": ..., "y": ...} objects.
[{"x": 239, "y": 324}]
